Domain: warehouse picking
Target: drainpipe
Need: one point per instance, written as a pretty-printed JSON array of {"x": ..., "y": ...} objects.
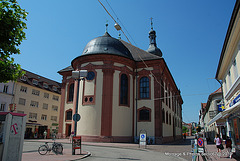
[{"x": 136, "y": 99}]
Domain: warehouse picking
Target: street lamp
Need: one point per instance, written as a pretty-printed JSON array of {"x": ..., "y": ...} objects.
[{"x": 78, "y": 75}]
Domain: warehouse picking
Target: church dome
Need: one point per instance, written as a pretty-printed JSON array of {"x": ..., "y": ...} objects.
[
  {"x": 154, "y": 50},
  {"x": 106, "y": 45}
]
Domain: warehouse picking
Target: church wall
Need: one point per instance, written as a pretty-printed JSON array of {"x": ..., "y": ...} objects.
[
  {"x": 90, "y": 122},
  {"x": 149, "y": 103},
  {"x": 122, "y": 115}
]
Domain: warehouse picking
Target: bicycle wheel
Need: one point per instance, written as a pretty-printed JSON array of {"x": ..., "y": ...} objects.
[
  {"x": 57, "y": 148},
  {"x": 42, "y": 150}
]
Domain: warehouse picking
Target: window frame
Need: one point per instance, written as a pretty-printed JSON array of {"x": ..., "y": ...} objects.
[
  {"x": 139, "y": 112},
  {"x": 149, "y": 87},
  {"x": 125, "y": 89}
]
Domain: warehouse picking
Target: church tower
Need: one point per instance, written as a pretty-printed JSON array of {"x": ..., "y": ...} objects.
[{"x": 153, "y": 49}]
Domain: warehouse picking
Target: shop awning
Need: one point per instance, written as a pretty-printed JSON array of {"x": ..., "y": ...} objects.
[
  {"x": 231, "y": 110},
  {"x": 225, "y": 113},
  {"x": 32, "y": 123},
  {"x": 218, "y": 116}
]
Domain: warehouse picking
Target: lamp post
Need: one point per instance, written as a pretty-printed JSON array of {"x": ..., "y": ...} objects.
[{"x": 78, "y": 75}]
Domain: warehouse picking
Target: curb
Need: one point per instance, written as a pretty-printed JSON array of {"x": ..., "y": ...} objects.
[{"x": 85, "y": 156}]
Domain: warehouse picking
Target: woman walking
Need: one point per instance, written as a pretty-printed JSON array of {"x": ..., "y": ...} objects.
[{"x": 218, "y": 142}]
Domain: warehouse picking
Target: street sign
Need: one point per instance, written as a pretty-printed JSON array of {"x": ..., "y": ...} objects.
[
  {"x": 200, "y": 142},
  {"x": 143, "y": 137},
  {"x": 76, "y": 117}
]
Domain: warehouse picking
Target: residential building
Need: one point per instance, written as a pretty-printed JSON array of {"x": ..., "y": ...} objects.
[
  {"x": 228, "y": 73},
  {"x": 127, "y": 91},
  {"x": 208, "y": 112},
  {"x": 6, "y": 95},
  {"x": 39, "y": 98}
]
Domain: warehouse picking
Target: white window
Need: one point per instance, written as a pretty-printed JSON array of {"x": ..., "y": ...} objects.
[
  {"x": 22, "y": 101},
  {"x": 23, "y": 89},
  {"x": 54, "y": 118},
  {"x": 54, "y": 108},
  {"x": 46, "y": 95},
  {"x": 35, "y": 92},
  {"x": 229, "y": 80},
  {"x": 5, "y": 89},
  {"x": 55, "y": 98},
  {"x": 35, "y": 82},
  {"x": 44, "y": 117},
  {"x": 45, "y": 85},
  {"x": 33, "y": 115},
  {"x": 23, "y": 78},
  {"x": 54, "y": 88},
  {"x": 34, "y": 104},
  {"x": 2, "y": 108},
  {"x": 45, "y": 106},
  {"x": 235, "y": 69}
]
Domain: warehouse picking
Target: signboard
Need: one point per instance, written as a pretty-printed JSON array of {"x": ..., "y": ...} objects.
[
  {"x": 143, "y": 138},
  {"x": 76, "y": 117},
  {"x": 237, "y": 99},
  {"x": 200, "y": 142},
  {"x": 221, "y": 107}
]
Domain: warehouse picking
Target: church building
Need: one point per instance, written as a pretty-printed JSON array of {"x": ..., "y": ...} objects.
[{"x": 127, "y": 90}]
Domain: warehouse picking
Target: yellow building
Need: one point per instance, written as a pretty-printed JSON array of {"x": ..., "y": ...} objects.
[
  {"x": 39, "y": 98},
  {"x": 228, "y": 72}
]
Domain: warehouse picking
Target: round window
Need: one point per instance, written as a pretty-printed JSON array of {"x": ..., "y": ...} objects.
[{"x": 90, "y": 75}]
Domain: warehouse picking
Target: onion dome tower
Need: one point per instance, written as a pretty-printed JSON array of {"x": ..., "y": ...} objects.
[{"x": 153, "y": 49}]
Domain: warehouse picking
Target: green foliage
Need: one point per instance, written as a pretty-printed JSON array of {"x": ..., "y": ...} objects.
[
  {"x": 12, "y": 24},
  {"x": 184, "y": 129}
]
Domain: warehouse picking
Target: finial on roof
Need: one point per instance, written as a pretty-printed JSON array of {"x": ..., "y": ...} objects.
[
  {"x": 151, "y": 23},
  {"x": 119, "y": 35},
  {"x": 106, "y": 26}
]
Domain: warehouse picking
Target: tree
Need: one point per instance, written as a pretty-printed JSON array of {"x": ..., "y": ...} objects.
[
  {"x": 184, "y": 129},
  {"x": 12, "y": 24}
]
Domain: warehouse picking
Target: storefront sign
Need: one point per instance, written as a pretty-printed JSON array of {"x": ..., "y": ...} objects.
[
  {"x": 221, "y": 107},
  {"x": 237, "y": 99},
  {"x": 220, "y": 123}
]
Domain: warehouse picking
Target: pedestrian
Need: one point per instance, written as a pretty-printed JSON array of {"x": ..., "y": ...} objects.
[
  {"x": 184, "y": 136},
  {"x": 218, "y": 142},
  {"x": 45, "y": 134},
  {"x": 71, "y": 136},
  {"x": 229, "y": 146}
]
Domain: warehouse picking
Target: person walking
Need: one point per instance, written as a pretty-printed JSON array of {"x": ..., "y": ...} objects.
[
  {"x": 218, "y": 142},
  {"x": 229, "y": 146},
  {"x": 45, "y": 134}
]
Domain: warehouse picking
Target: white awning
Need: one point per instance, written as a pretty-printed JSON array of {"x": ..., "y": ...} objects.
[
  {"x": 218, "y": 116},
  {"x": 225, "y": 113},
  {"x": 231, "y": 110}
]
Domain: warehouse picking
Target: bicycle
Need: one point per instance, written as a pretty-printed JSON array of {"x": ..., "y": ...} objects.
[{"x": 57, "y": 148}]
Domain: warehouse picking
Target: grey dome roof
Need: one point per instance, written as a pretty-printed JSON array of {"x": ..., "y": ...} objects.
[
  {"x": 106, "y": 45},
  {"x": 154, "y": 50}
]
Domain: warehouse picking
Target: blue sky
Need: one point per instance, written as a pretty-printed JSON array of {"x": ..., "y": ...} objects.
[{"x": 190, "y": 34}]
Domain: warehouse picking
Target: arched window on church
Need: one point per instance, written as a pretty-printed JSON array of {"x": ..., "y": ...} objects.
[
  {"x": 144, "y": 87},
  {"x": 124, "y": 90},
  {"x": 144, "y": 114},
  {"x": 69, "y": 115},
  {"x": 71, "y": 92}
]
